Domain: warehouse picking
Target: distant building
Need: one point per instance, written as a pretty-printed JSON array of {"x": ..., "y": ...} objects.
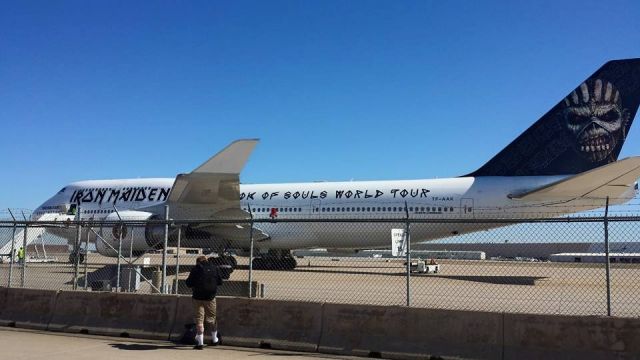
[
  {"x": 542, "y": 251},
  {"x": 622, "y": 258},
  {"x": 33, "y": 249}
]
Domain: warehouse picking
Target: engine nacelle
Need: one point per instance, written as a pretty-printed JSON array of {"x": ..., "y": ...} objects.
[{"x": 136, "y": 239}]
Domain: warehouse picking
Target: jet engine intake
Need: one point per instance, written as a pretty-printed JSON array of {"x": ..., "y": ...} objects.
[{"x": 135, "y": 229}]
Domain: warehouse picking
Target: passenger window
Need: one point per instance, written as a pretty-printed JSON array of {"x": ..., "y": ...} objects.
[
  {"x": 439, "y": 209},
  {"x": 450, "y": 209}
]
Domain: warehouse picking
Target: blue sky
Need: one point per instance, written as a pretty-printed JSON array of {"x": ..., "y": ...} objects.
[{"x": 335, "y": 90}]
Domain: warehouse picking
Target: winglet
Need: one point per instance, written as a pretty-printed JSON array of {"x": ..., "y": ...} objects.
[{"x": 229, "y": 160}]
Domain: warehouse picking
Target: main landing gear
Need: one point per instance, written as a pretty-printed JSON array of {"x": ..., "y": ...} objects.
[
  {"x": 275, "y": 260},
  {"x": 224, "y": 260},
  {"x": 73, "y": 255}
]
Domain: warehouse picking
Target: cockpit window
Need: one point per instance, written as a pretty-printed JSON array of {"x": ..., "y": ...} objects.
[{"x": 61, "y": 191}]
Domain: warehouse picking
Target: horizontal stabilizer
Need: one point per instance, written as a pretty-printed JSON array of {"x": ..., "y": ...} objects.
[{"x": 614, "y": 180}]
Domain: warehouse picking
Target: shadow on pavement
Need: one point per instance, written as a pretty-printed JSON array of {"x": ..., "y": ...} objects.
[{"x": 143, "y": 347}]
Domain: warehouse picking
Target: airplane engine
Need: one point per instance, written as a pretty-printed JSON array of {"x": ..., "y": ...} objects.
[{"x": 137, "y": 238}]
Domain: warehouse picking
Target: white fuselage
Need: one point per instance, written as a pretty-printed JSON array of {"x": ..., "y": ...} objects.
[{"x": 433, "y": 199}]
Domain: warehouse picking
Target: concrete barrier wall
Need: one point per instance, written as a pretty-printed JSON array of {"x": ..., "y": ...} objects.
[
  {"x": 135, "y": 315},
  {"x": 183, "y": 317},
  {"x": 570, "y": 337},
  {"x": 3, "y": 298},
  {"x": 390, "y": 332},
  {"x": 286, "y": 325},
  {"x": 235, "y": 288},
  {"x": 400, "y": 332},
  {"x": 28, "y": 308},
  {"x": 283, "y": 325}
]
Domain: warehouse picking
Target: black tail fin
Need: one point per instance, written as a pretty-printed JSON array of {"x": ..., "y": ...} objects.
[{"x": 584, "y": 130}]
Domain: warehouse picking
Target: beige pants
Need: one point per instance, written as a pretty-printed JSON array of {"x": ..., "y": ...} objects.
[{"x": 205, "y": 311}]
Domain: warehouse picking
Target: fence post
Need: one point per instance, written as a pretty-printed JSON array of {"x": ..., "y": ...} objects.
[
  {"x": 250, "y": 253},
  {"x": 164, "y": 250},
  {"x": 606, "y": 250},
  {"x": 408, "y": 242},
  {"x": 86, "y": 259},
  {"x": 121, "y": 228},
  {"x": 130, "y": 261},
  {"x": 24, "y": 257},
  {"x": 76, "y": 249},
  {"x": 12, "y": 255},
  {"x": 178, "y": 261}
]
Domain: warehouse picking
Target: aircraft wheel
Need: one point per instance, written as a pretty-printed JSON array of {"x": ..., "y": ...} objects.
[
  {"x": 72, "y": 258},
  {"x": 289, "y": 263},
  {"x": 231, "y": 260},
  {"x": 258, "y": 264}
]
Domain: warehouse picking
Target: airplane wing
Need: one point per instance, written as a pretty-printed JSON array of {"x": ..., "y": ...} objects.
[
  {"x": 212, "y": 187},
  {"x": 615, "y": 180},
  {"x": 236, "y": 234}
]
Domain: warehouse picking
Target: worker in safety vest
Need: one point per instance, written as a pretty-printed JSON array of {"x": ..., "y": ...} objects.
[{"x": 21, "y": 255}]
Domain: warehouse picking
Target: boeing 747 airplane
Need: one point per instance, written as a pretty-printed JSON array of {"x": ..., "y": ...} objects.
[{"x": 566, "y": 161}]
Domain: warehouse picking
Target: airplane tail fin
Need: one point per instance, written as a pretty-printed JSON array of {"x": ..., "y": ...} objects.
[{"x": 583, "y": 131}]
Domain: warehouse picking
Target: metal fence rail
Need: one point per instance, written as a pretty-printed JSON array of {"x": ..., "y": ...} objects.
[{"x": 514, "y": 273}]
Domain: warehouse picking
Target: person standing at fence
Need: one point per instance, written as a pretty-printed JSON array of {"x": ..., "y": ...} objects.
[
  {"x": 204, "y": 280},
  {"x": 21, "y": 256}
]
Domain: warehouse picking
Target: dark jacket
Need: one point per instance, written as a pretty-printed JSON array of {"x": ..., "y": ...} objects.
[{"x": 203, "y": 281}]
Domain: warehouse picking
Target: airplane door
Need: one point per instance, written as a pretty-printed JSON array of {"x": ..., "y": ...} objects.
[
  {"x": 466, "y": 207},
  {"x": 315, "y": 207}
]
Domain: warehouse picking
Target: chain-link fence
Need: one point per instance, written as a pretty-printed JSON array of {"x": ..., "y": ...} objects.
[{"x": 543, "y": 265}]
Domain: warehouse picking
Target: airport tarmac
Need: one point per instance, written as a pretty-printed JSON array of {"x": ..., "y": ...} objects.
[
  {"x": 510, "y": 286},
  {"x": 21, "y": 344}
]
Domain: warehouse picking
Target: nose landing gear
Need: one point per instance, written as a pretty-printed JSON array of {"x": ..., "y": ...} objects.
[{"x": 275, "y": 260}]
